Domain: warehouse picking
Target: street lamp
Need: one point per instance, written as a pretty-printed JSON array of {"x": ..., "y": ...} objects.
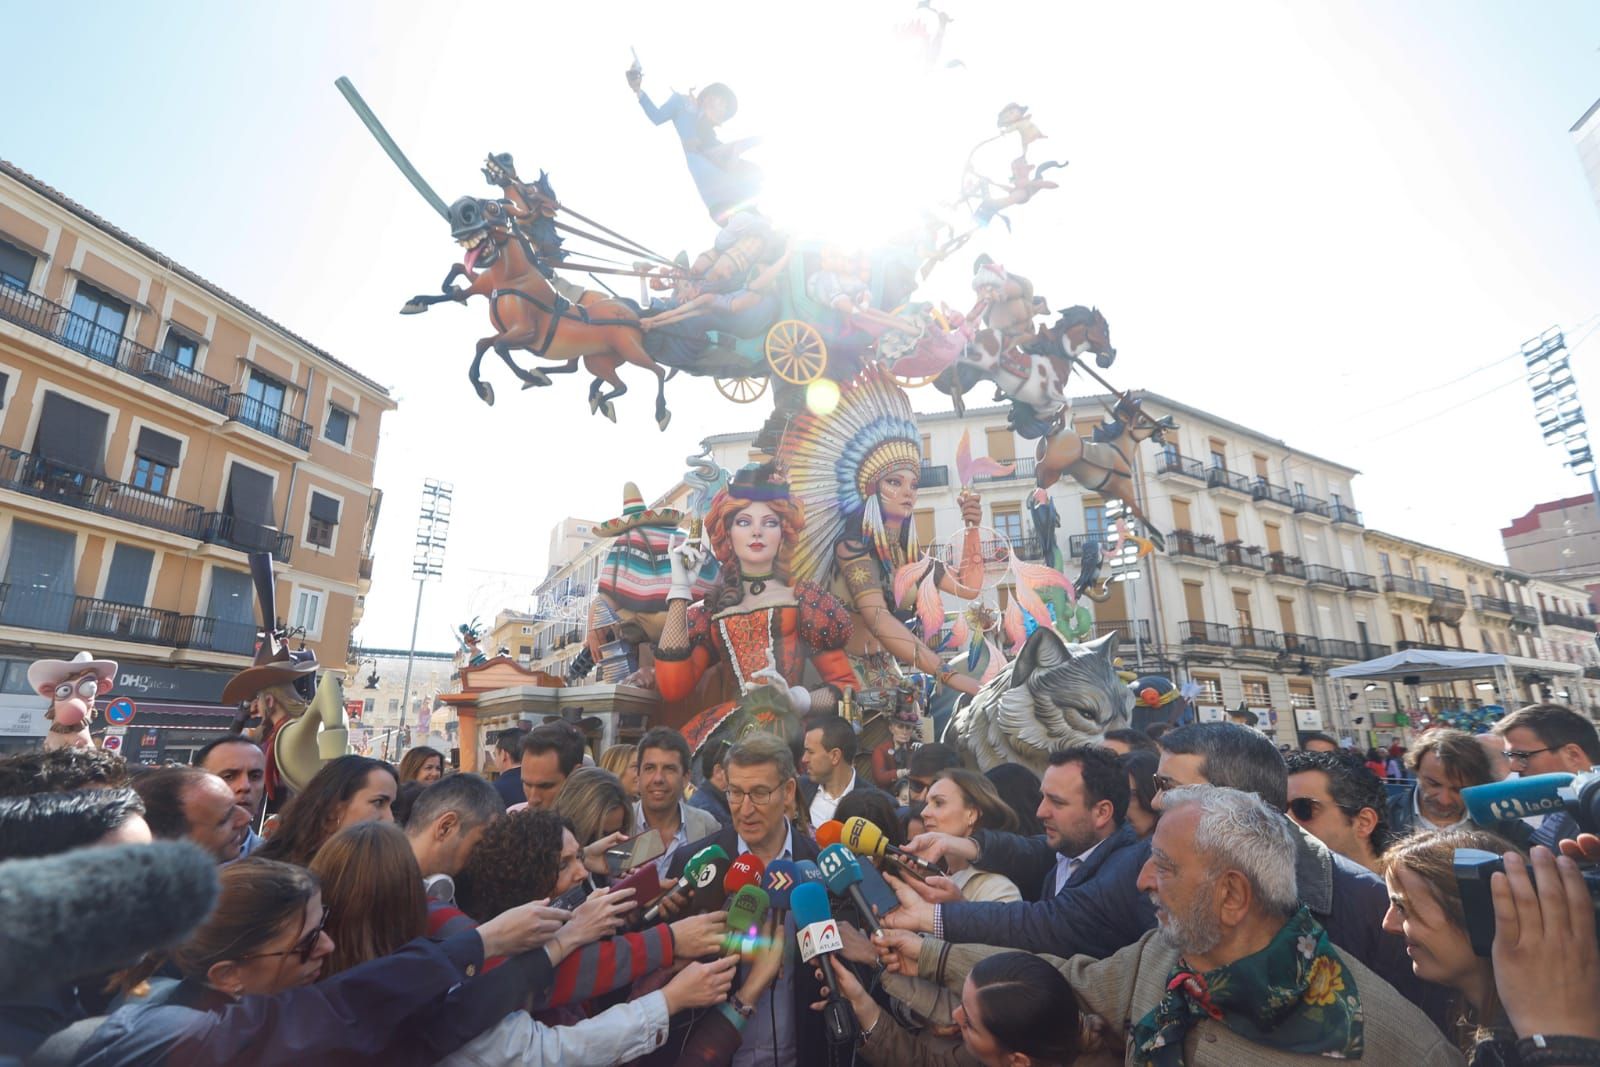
[
  {"x": 1556, "y": 405},
  {"x": 427, "y": 561}
]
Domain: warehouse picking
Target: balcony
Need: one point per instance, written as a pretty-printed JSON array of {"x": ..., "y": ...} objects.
[
  {"x": 1301, "y": 644},
  {"x": 1357, "y": 582},
  {"x": 1312, "y": 507},
  {"x": 51, "y": 320},
  {"x": 61, "y": 613},
  {"x": 1180, "y": 467},
  {"x": 1225, "y": 480},
  {"x": 1188, "y": 545},
  {"x": 234, "y": 532},
  {"x": 1317, "y": 574},
  {"x": 1286, "y": 568},
  {"x": 1337, "y": 649},
  {"x": 1243, "y": 557},
  {"x": 251, "y": 412},
  {"x": 1250, "y": 639},
  {"x": 931, "y": 476},
  {"x": 1447, "y": 594},
  {"x": 1407, "y": 587},
  {"x": 1571, "y": 622},
  {"x": 1423, "y": 646},
  {"x": 364, "y": 569},
  {"x": 1076, "y": 542},
  {"x": 1524, "y": 617},
  {"x": 1024, "y": 472},
  {"x": 1204, "y": 633},
  {"x": 1591, "y": 671},
  {"x": 205, "y": 634},
  {"x": 1124, "y": 629},
  {"x": 1491, "y": 605},
  {"x": 25, "y": 472},
  {"x": 1268, "y": 495},
  {"x": 1346, "y": 514}
]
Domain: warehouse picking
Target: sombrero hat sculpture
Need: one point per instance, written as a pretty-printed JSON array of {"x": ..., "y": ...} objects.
[
  {"x": 635, "y": 514},
  {"x": 275, "y": 661}
]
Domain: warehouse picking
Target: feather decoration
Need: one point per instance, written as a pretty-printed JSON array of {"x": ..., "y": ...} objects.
[
  {"x": 997, "y": 660},
  {"x": 1015, "y": 633},
  {"x": 960, "y": 633},
  {"x": 1146, "y": 546},
  {"x": 1038, "y": 576},
  {"x": 1030, "y": 602},
  {"x": 909, "y": 575},
  {"x": 968, "y": 468},
  {"x": 930, "y": 610}
]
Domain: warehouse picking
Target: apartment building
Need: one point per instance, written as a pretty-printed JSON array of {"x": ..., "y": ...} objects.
[
  {"x": 153, "y": 430},
  {"x": 378, "y": 685},
  {"x": 1559, "y": 539}
]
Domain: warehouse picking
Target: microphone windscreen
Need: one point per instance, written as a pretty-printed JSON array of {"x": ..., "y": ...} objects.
[
  {"x": 746, "y": 910},
  {"x": 862, "y": 837},
  {"x": 779, "y": 881},
  {"x": 746, "y": 870},
  {"x": 707, "y": 892},
  {"x": 809, "y": 902},
  {"x": 1516, "y": 798},
  {"x": 840, "y": 870},
  {"x": 806, "y": 871},
  {"x": 829, "y": 833},
  {"x": 98, "y": 909}
]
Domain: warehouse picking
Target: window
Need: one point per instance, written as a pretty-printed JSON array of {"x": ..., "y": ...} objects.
[
  {"x": 1256, "y": 693},
  {"x": 148, "y": 474},
  {"x": 527, "y": 630},
  {"x": 1210, "y": 688},
  {"x": 248, "y": 502},
  {"x": 71, "y": 434},
  {"x": 307, "y": 611},
  {"x": 1230, "y": 527},
  {"x": 1002, "y": 444},
  {"x": 41, "y": 577},
  {"x": 1094, "y": 522},
  {"x": 155, "y": 458},
  {"x": 1008, "y": 524},
  {"x": 337, "y": 428},
  {"x": 1241, "y": 609},
  {"x": 525, "y": 651},
  {"x": 5, "y": 379},
  {"x": 16, "y": 266},
  {"x": 266, "y": 401},
  {"x": 927, "y": 450},
  {"x": 394, "y": 705},
  {"x": 1300, "y": 695},
  {"x": 97, "y": 323},
  {"x": 129, "y": 576},
  {"x": 324, "y": 518},
  {"x": 1170, "y": 455},
  {"x": 1261, "y": 466},
  {"x": 368, "y": 705},
  {"x": 1180, "y": 515},
  {"x": 925, "y": 529},
  {"x": 1219, "y": 461},
  {"x": 1194, "y": 601},
  {"x": 180, "y": 348},
  {"x": 1383, "y": 562}
]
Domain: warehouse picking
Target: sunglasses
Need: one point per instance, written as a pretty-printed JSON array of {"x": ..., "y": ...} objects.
[
  {"x": 1304, "y": 809},
  {"x": 1163, "y": 783},
  {"x": 303, "y": 947}
]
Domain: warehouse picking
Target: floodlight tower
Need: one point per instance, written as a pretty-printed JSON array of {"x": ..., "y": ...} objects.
[
  {"x": 1556, "y": 405},
  {"x": 427, "y": 561}
]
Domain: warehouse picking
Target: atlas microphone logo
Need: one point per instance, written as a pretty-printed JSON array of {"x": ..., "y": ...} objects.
[{"x": 818, "y": 938}]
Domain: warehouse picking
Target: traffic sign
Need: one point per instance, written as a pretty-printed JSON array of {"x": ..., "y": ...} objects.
[{"x": 120, "y": 711}]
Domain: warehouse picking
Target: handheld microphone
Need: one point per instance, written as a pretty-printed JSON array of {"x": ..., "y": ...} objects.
[
  {"x": 830, "y": 833},
  {"x": 745, "y": 912},
  {"x": 806, "y": 871},
  {"x": 842, "y": 872},
  {"x": 865, "y": 839},
  {"x": 1516, "y": 798},
  {"x": 745, "y": 871},
  {"x": 97, "y": 909},
  {"x": 818, "y": 936},
  {"x": 779, "y": 881},
  {"x": 701, "y": 870}
]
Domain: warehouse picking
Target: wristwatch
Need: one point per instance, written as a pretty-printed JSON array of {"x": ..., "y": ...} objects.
[{"x": 744, "y": 1010}]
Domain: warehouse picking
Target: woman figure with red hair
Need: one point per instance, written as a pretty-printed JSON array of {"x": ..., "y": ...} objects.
[{"x": 756, "y": 624}]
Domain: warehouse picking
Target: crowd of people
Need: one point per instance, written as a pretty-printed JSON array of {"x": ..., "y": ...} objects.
[{"x": 1196, "y": 897}]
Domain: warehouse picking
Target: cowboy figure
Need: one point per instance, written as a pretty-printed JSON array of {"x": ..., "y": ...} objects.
[{"x": 71, "y": 686}]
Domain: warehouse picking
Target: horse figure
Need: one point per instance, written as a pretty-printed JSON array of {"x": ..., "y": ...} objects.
[
  {"x": 529, "y": 314},
  {"x": 1105, "y": 463}
]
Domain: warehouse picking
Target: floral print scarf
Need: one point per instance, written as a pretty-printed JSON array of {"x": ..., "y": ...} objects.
[{"x": 1296, "y": 995}]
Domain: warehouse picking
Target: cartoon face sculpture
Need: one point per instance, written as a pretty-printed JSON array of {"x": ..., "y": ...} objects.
[{"x": 72, "y": 687}]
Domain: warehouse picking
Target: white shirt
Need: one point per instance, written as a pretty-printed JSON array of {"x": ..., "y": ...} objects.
[
  {"x": 680, "y": 838},
  {"x": 824, "y": 804},
  {"x": 1422, "y": 820},
  {"x": 1067, "y": 865}
]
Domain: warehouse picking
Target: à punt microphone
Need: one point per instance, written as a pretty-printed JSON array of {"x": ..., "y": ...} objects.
[
  {"x": 818, "y": 935},
  {"x": 865, "y": 839},
  {"x": 705, "y": 868},
  {"x": 842, "y": 872},
  {"x": 779, "y": 881},
  {"x": 745, "y": 912}
]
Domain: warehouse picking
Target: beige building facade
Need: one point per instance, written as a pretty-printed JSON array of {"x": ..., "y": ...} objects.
[{"x": 153, "y": 430}]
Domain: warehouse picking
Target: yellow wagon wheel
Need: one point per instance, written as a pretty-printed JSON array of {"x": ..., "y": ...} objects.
[
  {"x": 913, "y": 381},
  {"x": 796, "y": 352},
  {"x": 742, "y": 390}
]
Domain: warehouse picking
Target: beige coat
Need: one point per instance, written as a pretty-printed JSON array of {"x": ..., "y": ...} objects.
[{"x": 1123, "y": 988}]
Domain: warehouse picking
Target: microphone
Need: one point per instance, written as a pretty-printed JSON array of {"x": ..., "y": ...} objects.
[
  {"x": 701, "y": 870},
  {"x": 843, "y": 875},
  {"x": 97, "y": 909},
  {"x": 806, "y": 871},
  {"x": 779, "y": 880},
  {"x": 745, "y": 871},
  {"x": 818, "y": 935},
  {"x": 865, "y": 839},
  {"x": 830, "y": 833},
  {"x": 1516, "y": 798},
  {"x": 745, "y": 912}
]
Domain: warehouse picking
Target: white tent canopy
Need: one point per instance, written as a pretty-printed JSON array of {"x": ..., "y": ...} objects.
[{"x": 1426, "y": 667}]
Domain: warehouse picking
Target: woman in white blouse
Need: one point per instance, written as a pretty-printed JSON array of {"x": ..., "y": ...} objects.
[{"x": 962, "y": 802}]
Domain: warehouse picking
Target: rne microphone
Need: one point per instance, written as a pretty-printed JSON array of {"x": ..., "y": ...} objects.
[
  {"x": 703, "y": 869},
  {"x": 747, "y": 869},
  {"x": 842, "y": 872},
  {"x": 1517, "y": 798},
  {"x": 865, "y": 839},
  {"x": 818, "y": 935}
]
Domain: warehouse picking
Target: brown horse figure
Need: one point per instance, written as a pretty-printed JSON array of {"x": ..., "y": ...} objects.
[
  {"x": 1103, "y": 464},
  {"x": 527, "y": 313}
]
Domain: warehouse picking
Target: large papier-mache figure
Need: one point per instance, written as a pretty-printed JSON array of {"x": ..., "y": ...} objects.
[
  {"x": 758, "y": 624},
  {"x": 71, "y": 686}
]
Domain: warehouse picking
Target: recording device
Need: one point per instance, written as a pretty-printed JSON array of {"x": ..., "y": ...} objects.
[
  {"x": 806, "y": 871},
  {"x": 1473, "y": 870},
  {"x": 745, "y": 912},
  {"x": 830, "y": 833},
  {"x": 97, "y": 909},
  {"x": 745, "y": 871},
  {"x": 646, "y": 885},
  {"x": 635, "y": 852},
  {"x": 1516, "y": 798},
  {"x": 877, "y": 891},
  {"x": 705, "y": 868},
  {"x": 818, "y": 935},
  {"x": 573, "y": 897},
  {"x": 842, "y": 871},
  {"x": 865, "y": 839}
]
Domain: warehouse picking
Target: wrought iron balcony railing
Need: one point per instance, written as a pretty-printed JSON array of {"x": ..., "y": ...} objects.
[
  {"x": 1124, "y": 629},
  {"x": 1194, "y": 632},
  {"x": 38, "y": 609},
  {"x": 1286, "y": 566},
  {"x": 1189, "y": 543},
  {"x": 27, "y": 472},
  {"x": 1024, "y": 470},
  {"x": 1233, "y": 554},
  {"x": 244, "y": 535},
  {"x": 1347, "y": 514},
  {"x": 1267, "y": 493},
  {"x": 250, "y": 411},
  {"x": 1188, "y": 468},
  {"x": 1571, "y": 622},
  {"x": 1248, "y": 637},
  {"x": 1494, "y": 604},
  {"x": 1357, "y": 582},
  {"x": 1317, "y": 574},
  {"x": 1311, "y": 505},
  {"x": 1301, "y": 644},
  {"x": 206, "y": 634}
]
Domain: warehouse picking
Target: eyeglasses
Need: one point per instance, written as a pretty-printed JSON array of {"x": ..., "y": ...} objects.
[
  {"x": 1304, "y": 809},
  {"x": 919, "y": 785},
  {"x": 87, "y": 687},
  {"x": 303, "y": 947},
  {"x": 761, "y": 794},
  {"x": 1523, "y": 755},
  {"x": 1163, "y": 783}
]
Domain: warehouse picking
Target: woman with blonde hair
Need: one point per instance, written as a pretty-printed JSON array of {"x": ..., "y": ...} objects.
[
  {"x": 594, "y": 802},
  {"x": 623, "y": 761}
]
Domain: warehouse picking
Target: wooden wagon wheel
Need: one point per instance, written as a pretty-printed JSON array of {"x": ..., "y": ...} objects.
[
  {"x": 743, "y": 390},
  {"x": 796, "y": 352},
  {"x": 913, "y": 381}
]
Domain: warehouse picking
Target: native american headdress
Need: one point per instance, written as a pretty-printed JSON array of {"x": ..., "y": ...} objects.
[{"x": 835, "y": 461}]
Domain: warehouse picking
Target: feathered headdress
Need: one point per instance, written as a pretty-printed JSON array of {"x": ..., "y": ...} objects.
[{"x": 835, "y": 461}]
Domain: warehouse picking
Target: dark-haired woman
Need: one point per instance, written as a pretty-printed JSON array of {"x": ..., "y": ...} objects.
[
  {"x": 349, "y": 790},
  {"x": 1141, "y": 767},
  {"x": 250, "y": 995},
  {"x": 962, "y": 802},
  {"x": 1016, "y": 1011},
  {"x": 422, "y": 764},
  {"x": 1019, "y": 788}
]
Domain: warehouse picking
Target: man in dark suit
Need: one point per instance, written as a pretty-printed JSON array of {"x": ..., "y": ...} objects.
[
  {"x": 508, "y": 761},
  {"x": 780, "y": 1029}
]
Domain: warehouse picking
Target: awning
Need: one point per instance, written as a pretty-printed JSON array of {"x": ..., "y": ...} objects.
[
  {"x": 72, "y": 434},
  {"x": 157, "y": 447},
  {"x": 1427, "y": 665},
  {"x": 325, "y": 509},
  {"x": 249, "y": 496}
]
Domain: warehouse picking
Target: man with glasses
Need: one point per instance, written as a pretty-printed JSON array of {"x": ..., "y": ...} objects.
[
  {"x": 926, "y": 763},
  {"x": 781, "y": 1029},
  {"x": 1546, "y": 739},
  {"x": 1341, "y": 804}
]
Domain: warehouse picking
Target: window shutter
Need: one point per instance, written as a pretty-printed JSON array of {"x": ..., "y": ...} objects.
[
  {"x": 249, "y": 496},
  {"x": 325, "y": 509},
  {"x": 158, "y": 447},
  {"x": 71, "y": 433}
]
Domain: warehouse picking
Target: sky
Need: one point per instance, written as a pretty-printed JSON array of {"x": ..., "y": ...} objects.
[{"x": 1332, "y": 222}]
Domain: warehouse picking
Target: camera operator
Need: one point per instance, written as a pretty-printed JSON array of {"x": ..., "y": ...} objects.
[{"x": 1545, "y": 739}]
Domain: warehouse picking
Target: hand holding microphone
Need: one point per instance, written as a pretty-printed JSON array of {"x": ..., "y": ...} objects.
[
  {"x": 865, "y": 839},
  {"x": 842, "y": 872},
  {"x": 705, "y": 868},
  {"x": 819, "y": 938}
]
